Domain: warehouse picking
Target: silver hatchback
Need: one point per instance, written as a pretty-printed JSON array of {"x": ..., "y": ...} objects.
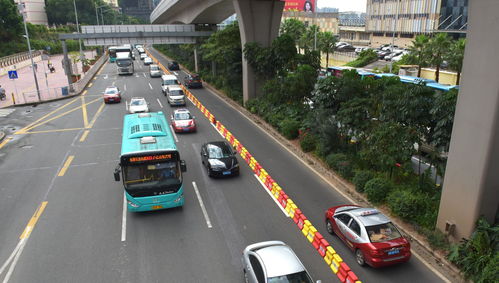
[
  {"x": 154, "y": 71},
  {"x": 273, "y": 261}
]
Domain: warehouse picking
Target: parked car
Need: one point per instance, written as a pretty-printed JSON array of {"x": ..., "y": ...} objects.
[
  {"x": 175, "y": 95},
  {"x": 193, "y": 81},
  {"x": 138, "y": 105},
  {"x": 112, "y": 94},
  {"x": 273, "y": 261},
  {"x": 219, "y": 159},
  {"x": 368, "y": 233},
  {"x": 147, "y": 61},
  {"x": 142, "y": 55},
  {"x": 340, "y": 43},
  {"x": 183, "y": 121},
  {"x": 173, "y": 66},
  {"x": 345, "y": 48},
  {"x": 382, "y": 54},
  {"x": 395, "y": 52},
  {"x": 168, "y": 80},
  {"x": 154, "y": 71}
]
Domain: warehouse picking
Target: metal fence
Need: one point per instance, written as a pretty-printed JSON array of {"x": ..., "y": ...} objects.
[{"x": 16, "y": 58}]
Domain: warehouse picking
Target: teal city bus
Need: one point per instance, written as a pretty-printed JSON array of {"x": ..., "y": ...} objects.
[
  {"x": 150, "y": 163},
  {"x": 112, "y": 54}
]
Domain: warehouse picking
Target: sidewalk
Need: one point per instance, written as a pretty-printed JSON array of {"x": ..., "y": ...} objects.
[{"x": 50, "y": 84}]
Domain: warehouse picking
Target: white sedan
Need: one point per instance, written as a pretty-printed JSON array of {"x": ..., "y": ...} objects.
[
  {"x": 138, "y": 105},
  {"x": 147, "y": 61}
]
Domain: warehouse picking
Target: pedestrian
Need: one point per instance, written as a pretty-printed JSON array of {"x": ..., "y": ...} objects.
[{"x": 2, "y": 93}]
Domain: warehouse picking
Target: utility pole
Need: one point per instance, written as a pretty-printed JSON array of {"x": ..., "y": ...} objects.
[
  {"x": 23, "y": 12},
  {"x": 394, "y": 29},
  {"x": 96, "y": 13},
  {"x": 78, "y": 30}
]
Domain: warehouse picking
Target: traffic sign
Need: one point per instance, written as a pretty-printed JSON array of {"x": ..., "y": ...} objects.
[{"x": 13, "y": 75}]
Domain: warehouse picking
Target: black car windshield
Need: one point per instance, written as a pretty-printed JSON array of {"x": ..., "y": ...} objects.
[
  {"x": 145, "y": 176},
  {"x": 154, "y": 68},
  {"x": 215, "y": 151},
  {"x": 300, "y": 277},
  {"x": 382, "y": 232},
  {"x": 183, "y": 116}
]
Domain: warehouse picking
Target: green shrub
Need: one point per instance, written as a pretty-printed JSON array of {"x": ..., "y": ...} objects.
[
  {"x": 289, "y": 128},
  {"x": 340, "y": 163},
  {"x": 308, "y": 142},
  {"x": 377, "y": 189},
  {"x": 408, "y": 204},
  {"x": 361, "y": 178},
  {"x": 478, "y": 257},
  {"x": 437, "y": 239}
]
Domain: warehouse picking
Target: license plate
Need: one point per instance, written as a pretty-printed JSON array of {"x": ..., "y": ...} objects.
[
  {"x": 394, "y": 252},
  {"x": 110, "y": 99},
  {"x": 157, "y": 207},
  {"x": 226, "y": 173},
  {"x": 186, "y": 130}
]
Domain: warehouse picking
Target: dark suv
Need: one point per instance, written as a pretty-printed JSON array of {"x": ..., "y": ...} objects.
[
  {"x": 193, "y": 81},
  {"x": 173, "y": 66}
]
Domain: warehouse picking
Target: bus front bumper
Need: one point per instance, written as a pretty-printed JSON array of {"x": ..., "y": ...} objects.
[{"x": 135, "y": 206}]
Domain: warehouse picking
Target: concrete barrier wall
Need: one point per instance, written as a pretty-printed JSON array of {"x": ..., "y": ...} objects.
[
  {"x": 19, "y": 65},
  {"x": 446, "y": 77}
]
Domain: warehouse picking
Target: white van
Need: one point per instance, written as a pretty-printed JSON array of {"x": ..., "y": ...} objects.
[
  {"x": 175, "y": 95},
  {"x": 168, "y": 80}
]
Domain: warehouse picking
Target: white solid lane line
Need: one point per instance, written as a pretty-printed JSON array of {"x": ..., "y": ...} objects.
[
  {"x": 144, "y": 75},
  {"x": 12, "y": 255},
  {"x": 125, "y": 87},
  {"x": 203, "y": 208},
  {"x": 123, "y": 219},
  {"x": 16, "y": 258},
  {"x": 150, "y": 86},
  {"x": 271, "y": 196},
  {"x": 174, "y": 135},
  {"x": 161, "y": 105}
]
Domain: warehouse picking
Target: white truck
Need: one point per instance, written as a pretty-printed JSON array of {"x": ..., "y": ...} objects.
[{"x": 124, "y": 63}]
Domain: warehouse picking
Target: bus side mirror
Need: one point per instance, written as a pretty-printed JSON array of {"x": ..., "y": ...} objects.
[
  {"x": 117, "y": 173},
  {"x": 183, "y": 167}
]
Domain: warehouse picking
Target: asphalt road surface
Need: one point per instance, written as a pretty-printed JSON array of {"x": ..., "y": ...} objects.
[{"x": 62, "y": 216}]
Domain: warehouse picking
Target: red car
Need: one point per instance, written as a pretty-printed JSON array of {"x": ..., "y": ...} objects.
[
  {"x": 370, "y": 234},
  {"x": 112, "y": 94},
  {"x": 183, "y": 121}
]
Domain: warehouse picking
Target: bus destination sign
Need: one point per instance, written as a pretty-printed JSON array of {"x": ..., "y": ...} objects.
[{"x": 145, "y": 158}]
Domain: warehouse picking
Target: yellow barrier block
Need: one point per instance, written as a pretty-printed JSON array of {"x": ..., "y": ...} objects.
[
  {"x": 334, "y": 267},
  {"x": 311, "y": 234},
  {"x": 306, "y": 227},
  {"x": 337, "y": 258},
  {"x": 289, "y": 207},
  {"x": 263, "y": 175},
  {"x": 291, "y": 210},
  {"x": 328, "y": 257},
  {"x": 276, "y": 189}
]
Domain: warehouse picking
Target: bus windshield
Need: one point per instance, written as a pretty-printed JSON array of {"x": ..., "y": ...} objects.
[{"x": 152, "y": 177}]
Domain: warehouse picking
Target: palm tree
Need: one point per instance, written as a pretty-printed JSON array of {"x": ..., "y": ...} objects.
[
  {"x": 455, "y": 57},
  {"x": 327, "y": 42},
  {"x": 306, "y": 40},
  {"x": 439, "y": 47},
  {"x": 419, "y": 51},
  {"x": 294, "y": 28}
]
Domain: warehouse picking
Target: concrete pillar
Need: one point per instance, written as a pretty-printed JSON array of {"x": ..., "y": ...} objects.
[
  {"x": 471, "y": 184},
  {"x": 259, "y": 21}
]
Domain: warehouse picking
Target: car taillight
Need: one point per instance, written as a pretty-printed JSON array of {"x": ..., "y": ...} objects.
[
  {"x": 376, "y": 252},
  {"x": 190, "y": 123}
]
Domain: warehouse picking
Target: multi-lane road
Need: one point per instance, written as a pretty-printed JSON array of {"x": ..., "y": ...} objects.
[{"x": 62, "y": 216}]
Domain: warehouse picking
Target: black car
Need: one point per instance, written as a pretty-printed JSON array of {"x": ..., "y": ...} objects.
[
  {"x": 193, "y": 81},
  {"x": 219, "y": 159},
  {"x": 173, "y": 66}
]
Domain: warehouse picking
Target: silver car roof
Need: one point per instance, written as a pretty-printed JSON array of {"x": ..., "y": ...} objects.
[{"x": 279, "y": 259}]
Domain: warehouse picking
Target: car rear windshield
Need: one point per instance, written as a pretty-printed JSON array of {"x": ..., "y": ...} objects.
[
  {"x": 111, "y": 91},
  {"x": 301, "y": 277},
  {"x": 183, "y": 116},
  {"x": 154, "y": 68},
  {"x": 176, "y": 92},
  {"x": 218, "y": 152},
  {"x": 382, "y": 232},
  {"x": 137, "y": 102},
  {"x": 170, "y": 82}
]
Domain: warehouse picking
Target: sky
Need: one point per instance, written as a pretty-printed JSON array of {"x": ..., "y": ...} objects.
[{"x": 344, "y": 5}]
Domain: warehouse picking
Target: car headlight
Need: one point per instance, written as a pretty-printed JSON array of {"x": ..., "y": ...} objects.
[
  {"x": 236, "y": 166},
  {"x": 132, "y": 204}
]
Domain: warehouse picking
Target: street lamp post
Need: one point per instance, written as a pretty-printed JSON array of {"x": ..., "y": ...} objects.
[
  {"x": 78, "y": 30},
  {"x": 96, "y": 13},
  {"x": 23, "y": 13}
]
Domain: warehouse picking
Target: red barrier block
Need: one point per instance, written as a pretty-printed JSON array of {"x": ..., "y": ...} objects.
[
  {"x": 341, "y": 276},
  {"x": 296, "y": 217},
  {"x": 323, "y": 247},
  {"x": 257, "y": 169},
  {"x": 317, "y": 240},
  {"x": 301, "y": 221},
  {"x": 351, "y": 277},
  {"x": 269, "y": 183},
  {"x": 248, "y": 158},
  {"x": 239, "y": 148},
  {"x": 344, "y": 269},
  {"x": 283, "y": 199}
]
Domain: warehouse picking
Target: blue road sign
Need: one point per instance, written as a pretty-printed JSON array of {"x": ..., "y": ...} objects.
[{"x": 13, "y": 75}]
